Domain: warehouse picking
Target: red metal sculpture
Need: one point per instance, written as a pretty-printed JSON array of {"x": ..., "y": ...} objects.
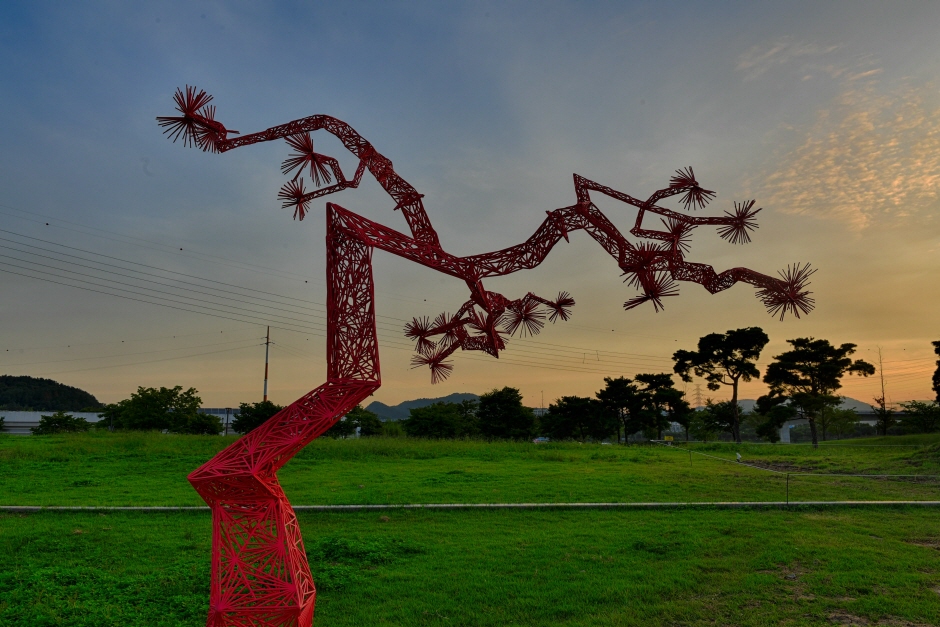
[{"x": 260, "y": 574}]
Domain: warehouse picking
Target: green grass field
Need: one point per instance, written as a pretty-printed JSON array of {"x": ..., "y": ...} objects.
[
  {"x": 496, "y": 568},
  {"x": 806, "y": 566},
  {"x": 151, "y": 469}
]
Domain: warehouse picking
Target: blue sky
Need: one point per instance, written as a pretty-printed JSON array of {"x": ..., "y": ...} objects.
[{"x": 826, "y": 113}]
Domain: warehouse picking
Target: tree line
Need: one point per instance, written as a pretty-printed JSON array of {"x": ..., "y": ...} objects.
[{"x": 802, "y": 383}]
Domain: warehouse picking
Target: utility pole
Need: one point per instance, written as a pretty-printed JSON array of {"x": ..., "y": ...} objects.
[
  {"x": 267, "y": 346},
  {"x": 698, "y": 395}
]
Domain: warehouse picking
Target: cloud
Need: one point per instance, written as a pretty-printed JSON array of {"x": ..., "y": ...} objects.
[
  {"x": 869, "y": 157},
  {"x": 760, "y": 59}
]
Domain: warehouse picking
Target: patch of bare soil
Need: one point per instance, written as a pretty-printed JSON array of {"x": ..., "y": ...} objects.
[
  {"x": 793, "y": 574},
  {"x": 929, "y": 543},
  {"x": 778, "y": 466},
  {"x": 841, "y": 618},
  {"x": 844, "y": 618}
]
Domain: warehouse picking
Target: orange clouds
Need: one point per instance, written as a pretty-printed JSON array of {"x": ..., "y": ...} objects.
[{"x": 869, "y": 157}]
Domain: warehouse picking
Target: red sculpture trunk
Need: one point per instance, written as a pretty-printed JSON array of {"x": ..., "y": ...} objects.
[{"x": 260, "y": 575}]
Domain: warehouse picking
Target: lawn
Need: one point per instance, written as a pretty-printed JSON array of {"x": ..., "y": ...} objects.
[
  {"x": 801, "y": 566},
  {"x": 102, "y": 468},
  {"x": 496, "y": 568}
]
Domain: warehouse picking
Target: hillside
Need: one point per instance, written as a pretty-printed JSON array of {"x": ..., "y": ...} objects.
[
  {"x": 34, "y": 394},
  {"x": 400, "y": 411}
]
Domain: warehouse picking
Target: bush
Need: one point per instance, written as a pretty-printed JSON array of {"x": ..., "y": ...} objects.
[
  {"x": 578, "y": 418},
  {"x": 920, "y": 417},
  {"x": 198, "y": 424},
  {"x": 60, "y": 422},
  {"x": 164, "y": 409},
  {"x": 252, "y": 415},
  {"x": 392, "y": 429},
  {"x": 442, "y": 421},
  {"x": 342, "y": 429},
  {"x": 367, "y": 422},
  {"x": 502, "y": 416}
]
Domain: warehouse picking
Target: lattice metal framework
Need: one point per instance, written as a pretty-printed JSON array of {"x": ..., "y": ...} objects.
[{"x": 260, "y": 574}]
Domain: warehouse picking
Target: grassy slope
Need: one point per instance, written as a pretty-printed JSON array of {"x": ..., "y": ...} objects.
[
  {"x": 150, "y": 469},
  {"x": 495, "y": 568}
]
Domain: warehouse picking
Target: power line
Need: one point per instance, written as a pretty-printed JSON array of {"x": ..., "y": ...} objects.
[
  {"x": 88, "y": 230},
  {"x": 146, "y": 339},
  {"x": 167, "y": 248},
  {"x": 152, "y": 361},
  {"x": 162, "y": 350},
  {"x": 535, "y": 350},
  {"x": 178, "y": 302},
  {"x": 143, "y": 265},
  {"x": 283, "y": 326},
  {"x": 532, "y": 348}
]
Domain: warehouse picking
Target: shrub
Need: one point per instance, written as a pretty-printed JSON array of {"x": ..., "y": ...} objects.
[
  {"x": 342, "y": 429},
  {"x": 252, "y": 415},
  {"x": 198, "y": 424},
  {"x": 920, "y": 417},
  {"x": 60, "y": 422},
  {"x": 442, "y": 420},
  {"x": 169, "y": 409},
  {"x": 367, "y": 422},
  {"x": 392, "y": 429}
]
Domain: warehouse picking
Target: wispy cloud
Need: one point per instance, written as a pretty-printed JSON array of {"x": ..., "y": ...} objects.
[
  {"x": 868, "y": 156},
  {"x": 758, "y": 60}
]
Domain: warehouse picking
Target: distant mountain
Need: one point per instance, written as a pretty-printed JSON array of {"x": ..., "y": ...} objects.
[
  {"x": 33, "y": 394},
  {"x": 747, "y": 404},
  {"x": 400, "y": 411}
]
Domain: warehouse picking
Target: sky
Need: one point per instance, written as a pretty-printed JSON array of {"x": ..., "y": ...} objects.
[{"x": 127, "y": 260}]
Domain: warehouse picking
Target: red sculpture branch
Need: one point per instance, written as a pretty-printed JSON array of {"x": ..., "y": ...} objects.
[{"x": 260, "y": 574}]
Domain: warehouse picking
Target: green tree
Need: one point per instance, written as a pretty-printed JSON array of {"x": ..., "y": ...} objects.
[
  {"x": 393, "y": 429},
  {"x": 438, "y": 421},
  {"x": 810, "y": 374},
  {"x": 253, "y": 415},
  {"x": 469, "y": 419},
  {"x": 936, "y": 373},
  {"x": 680, "y": 412},
  {"x": 921, "y": 417},
  {"x": 836, "y": 421},
  {"x": 701, "y": 425},
  {"x": 662, "y": 403},
  {"x": 442, "y": 420},
  {"x": 719, "y": 417},
  {"x": 341, "y": 429},
  {"x": 60, "y": 422},
  {"x": 724, "y": 359},
  {"x": 170, "y": 409},
  {"x": 578, "y": 418},
  {"x": 367, "y": 422},
  {"x": 198, "y": 424},
  {"x": 623, "y": 400},
  {"x": 769, "y": 415},
  {"x": 884, "y": 415},
  {"x": 502, "y": 416}
]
